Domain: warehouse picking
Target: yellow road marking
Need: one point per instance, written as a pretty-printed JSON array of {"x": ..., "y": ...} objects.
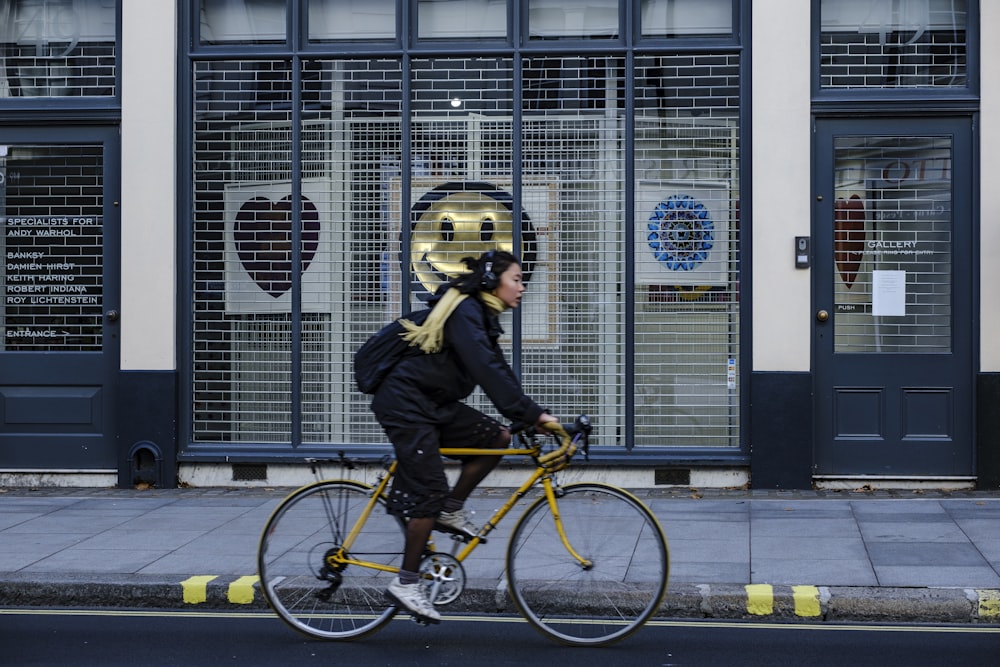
[
  {"x": 241, "y": 591},
  {"x": 196, "y": 588},
  {"x": 989, "y": 604},
  {"x": 806, "y": 600},
  {"x": 760, "y": 599}
]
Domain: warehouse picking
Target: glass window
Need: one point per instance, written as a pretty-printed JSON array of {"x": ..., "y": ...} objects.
[
  {"x": 51, "y": 200},
  {"x": 893, "y": 44},
  {"x": 461, "y": 19},
  {"x": 573, "y": 19},
  {"x": 242, "y": 21},
  {"x": 58, "y": 48},
  {"x": 316, "y": 224},
  {"x": 332, "y": 20},
  {"x": 686, "y": 291},
  {"x": 893, "y": 245},
  {"x": 243, "y": 228},
  {"x": 686, "y": 18}
]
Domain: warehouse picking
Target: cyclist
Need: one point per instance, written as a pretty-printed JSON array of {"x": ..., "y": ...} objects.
[{"x": 419, "y": 405}]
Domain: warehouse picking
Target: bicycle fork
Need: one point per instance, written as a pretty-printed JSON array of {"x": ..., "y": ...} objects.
[{"x": 550, "y": 495}]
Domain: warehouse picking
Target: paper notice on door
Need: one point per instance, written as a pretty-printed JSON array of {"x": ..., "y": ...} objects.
[{"x": 889, "y": 293}]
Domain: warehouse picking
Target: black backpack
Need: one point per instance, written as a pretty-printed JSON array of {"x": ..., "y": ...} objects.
[{"x": 380, "y": 353}]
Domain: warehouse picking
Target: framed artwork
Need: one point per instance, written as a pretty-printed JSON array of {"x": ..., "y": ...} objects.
[
  {"x": 258, "y": 247},
  {"x": 451, "y": 219},
  {"x": 682, "y": 234}
]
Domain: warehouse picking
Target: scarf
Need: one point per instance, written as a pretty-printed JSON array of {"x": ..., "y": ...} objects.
[{"x": 429, "y": 337}]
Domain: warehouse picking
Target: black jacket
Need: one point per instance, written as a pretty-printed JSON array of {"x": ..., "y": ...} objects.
[{"x": 470, "y": 357}]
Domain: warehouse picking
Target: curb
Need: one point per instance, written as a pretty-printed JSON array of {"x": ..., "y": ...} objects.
[
  {"x": 763, "y": 602},
  {"x": 833, "y": 603}
]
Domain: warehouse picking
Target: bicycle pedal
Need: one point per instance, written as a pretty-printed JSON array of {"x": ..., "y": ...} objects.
[
  {"x": 463, "y": 538},
  {"x": 422, "y": 620}
]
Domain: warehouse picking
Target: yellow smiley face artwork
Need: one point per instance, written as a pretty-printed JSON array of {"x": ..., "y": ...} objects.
[{"x": 459, "y": 220}]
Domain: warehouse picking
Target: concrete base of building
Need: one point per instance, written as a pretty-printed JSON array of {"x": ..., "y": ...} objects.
[
  {"x": 225, "y": 475},
  {"x": 879, "y": 483},
  {"x": 69, "y": 479},
  {"x": 293, "y": 475}
]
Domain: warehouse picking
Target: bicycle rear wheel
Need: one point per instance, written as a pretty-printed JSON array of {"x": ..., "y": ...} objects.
[
  {"x": 613, "y": 595},
  {"x": 343, "y": 602}
]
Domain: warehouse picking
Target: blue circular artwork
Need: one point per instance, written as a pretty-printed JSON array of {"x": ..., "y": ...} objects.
[{"x": 681, "y": 233}]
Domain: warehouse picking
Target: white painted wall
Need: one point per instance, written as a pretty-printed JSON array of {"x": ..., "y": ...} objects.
[
  {"x": 149, "y": 189},
  {"x": 782, "y": 199},
  {"x": 989, "y": 202}
]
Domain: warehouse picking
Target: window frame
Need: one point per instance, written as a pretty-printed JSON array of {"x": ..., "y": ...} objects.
[
  {"x": 296, "y": 50},
  {"x": 697, "y": 41},
  {"x": 76, "y": 106},
  {"x": 898, "y": 95}
]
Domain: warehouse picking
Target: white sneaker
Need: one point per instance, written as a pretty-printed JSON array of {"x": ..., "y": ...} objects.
[
  {"x": 413, "y": 597},
  {"x": 456, "y": 522}
]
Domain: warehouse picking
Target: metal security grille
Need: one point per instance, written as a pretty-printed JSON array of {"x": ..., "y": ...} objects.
[
  {"x": 243, "y": 328},
  {"x": 893, "y": 245},
  {"x": 573, "y": 136},
  {"x": 53, "y": 248},
  {"x": 242, "y": 163},
  {"x": 686, "y": 251},
  {"x": 58, "y": 48},
  {"x": 390, "y": 202},
  {"x": 893, "y": 44}
]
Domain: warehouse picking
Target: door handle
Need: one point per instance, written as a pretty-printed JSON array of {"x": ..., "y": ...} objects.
[
  {"x": 822, "y": 315},
  {"x": 112, "y": 315}
]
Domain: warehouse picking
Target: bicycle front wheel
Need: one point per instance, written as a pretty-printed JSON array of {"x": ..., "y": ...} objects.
[
  {"x": 617, "y": 588},
  {"x": 308, "y": 593}
]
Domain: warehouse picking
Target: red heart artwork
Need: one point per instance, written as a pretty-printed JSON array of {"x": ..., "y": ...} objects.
[
  {"x": 263, "y": 237},
  {"x": 849, "y": 237}
]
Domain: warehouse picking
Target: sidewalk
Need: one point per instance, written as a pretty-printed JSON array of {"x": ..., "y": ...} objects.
[{"x": 811, "y": 556}]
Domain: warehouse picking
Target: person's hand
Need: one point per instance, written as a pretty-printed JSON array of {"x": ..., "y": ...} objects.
[
  {"x": 545, "y": 418},
  {"x": 551, "y": 425}
]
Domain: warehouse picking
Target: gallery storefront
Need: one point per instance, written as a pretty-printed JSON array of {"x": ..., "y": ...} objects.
[{"x": 744, "y": 276}]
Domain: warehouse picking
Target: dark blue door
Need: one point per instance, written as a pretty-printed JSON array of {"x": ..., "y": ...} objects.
[
  {"x": 60, "y": 354},
  {"x": 893, "y": 298}
]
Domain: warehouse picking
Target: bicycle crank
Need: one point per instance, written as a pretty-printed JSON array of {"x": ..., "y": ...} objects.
[{"x": 444, "y": 576}]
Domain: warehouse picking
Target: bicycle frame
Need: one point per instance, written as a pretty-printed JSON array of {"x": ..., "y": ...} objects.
[{"x": 546, "y": 465}]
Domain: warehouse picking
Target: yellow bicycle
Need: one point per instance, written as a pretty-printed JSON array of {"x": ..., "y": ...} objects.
[{"x": 586, "y": 563}]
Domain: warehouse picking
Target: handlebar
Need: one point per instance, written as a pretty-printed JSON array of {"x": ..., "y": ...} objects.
[{"x": 571, "y": 439}]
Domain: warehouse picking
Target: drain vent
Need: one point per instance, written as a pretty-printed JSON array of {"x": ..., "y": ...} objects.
[
  {"x": 249, "y": 472},
  {"x": 672, "y": 477}
]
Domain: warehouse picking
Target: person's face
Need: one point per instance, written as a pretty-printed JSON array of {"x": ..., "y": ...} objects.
[{"x": 511, "y": 287}]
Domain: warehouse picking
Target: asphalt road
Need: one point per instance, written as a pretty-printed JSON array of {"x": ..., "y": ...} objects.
[{"x": 154, "y": 638}]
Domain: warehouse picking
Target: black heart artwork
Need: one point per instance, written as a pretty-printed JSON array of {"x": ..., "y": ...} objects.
[{"x": 263, "y": 237}]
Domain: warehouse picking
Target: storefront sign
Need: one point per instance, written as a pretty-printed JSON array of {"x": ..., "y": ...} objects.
[{"x": 52, "y": 279}]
